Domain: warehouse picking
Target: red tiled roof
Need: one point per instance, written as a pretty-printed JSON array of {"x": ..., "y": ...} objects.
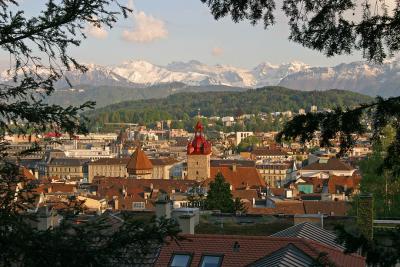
[
  {"x": 284, "y": 207},
  {"x": 240, "y": 178},
  {"x": 268, "y": 152},
  {"x": 245, "y": 194},
  {"x": 126, "y": 203},
  {"x": 110, "y": 186},
  {"x": 278, "y": 191},
  {"x": 315, "y": 181},
  {"x": 61, "y": 188},
  {"x": 351, "y": 182},
  {"x": 337, "y": 208},
  {"x": 163, "y": 161},
  {"x": 332, "y": 164},
  {"x": 139, "y": 161},
  {"x": 251, "y": 249},
  {"x": 26, "y": 173},
  {"x": 110, "y": 161}
]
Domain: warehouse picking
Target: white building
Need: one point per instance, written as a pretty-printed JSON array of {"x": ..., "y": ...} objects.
[
  {"x": 314, "y": 109},
  {"x": 242, "y": 135},
  {"x": 228, "y": 121},
  {"x": 332, "y": 166},
  {"x": 93, "y": 153}
]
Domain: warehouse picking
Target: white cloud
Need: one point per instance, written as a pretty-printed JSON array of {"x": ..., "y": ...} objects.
[
  {"x": 146, "y": 28},
  {"x": 217, "y": 51},
  {"x": 96, "y": 32}
]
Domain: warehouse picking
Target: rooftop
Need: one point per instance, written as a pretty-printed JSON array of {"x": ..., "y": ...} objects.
[
  {"x": 310, "y": 231},
  {"x": 139, "y": 161},
  {"x": 332, "y": 164},
  {"x": 248, "y": 250}
]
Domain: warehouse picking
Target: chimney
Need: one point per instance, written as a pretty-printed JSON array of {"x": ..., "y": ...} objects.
[
  {"x": 163, "y": 208},
  {"x": 234, "y": 167},
  {"x": 124, "y": 191},
  {"x": 116, "y": 203},
  {"x": 186, "y": 223}
]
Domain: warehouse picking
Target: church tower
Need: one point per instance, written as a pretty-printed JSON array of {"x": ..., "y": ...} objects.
[
  {"x": 198, "y": 155},
  {"x": 139, "y": 166}
]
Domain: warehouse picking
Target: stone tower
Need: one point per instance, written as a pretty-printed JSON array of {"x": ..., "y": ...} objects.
[
  {"x": 198, "y": 155},
  {"x": 139, "y": 166}
]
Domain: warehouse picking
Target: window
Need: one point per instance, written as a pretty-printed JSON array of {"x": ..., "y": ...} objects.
[
  {"x": 180, "y": 260},
  {"x": 138, "y": 205},
  {"x": 211, "y": 261}
]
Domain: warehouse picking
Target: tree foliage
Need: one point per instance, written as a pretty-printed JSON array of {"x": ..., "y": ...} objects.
[
  {"x": 331, "y": 27},
  {"x": 219, "y": 196},
  {"x": 383, "y": 251},
  {"x": 347, "y": 125},
  {"x": 385, "y": 188},
  {"x": 39, "y": 54},
  {"x": 239, "y": 206},
  {"x": 99, "y": 242},
  {"x": 184, "y": 106},
  {"x": 248, "y": 144}
]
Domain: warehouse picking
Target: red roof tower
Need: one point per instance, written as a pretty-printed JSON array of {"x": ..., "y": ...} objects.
[
  {"x": 199, "y": 144},
  {"x": 139, "y": 165}
]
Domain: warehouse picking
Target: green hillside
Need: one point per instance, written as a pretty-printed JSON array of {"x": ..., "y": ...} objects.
[
  {"x": 107, "y": 95},
  {"x": 182, "y": 106}
]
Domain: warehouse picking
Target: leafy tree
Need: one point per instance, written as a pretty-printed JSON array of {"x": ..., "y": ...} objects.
[
  {"x": 39, "y": 54},
  {"x": 331, "y": 27},
  {"x": 239, "y": 206},
  {"x": 383, "y": 251},
  {"x": 219, "y": 197},
  {"x": 269, "y": 99},
  {"x": 384, "y": 187},
  {"x": 248, "y": 143},
  {"x": 347, "y": 125}
]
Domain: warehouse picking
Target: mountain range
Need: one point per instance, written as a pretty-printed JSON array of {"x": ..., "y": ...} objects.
[
  {"x": 141, "y": 73},
  {"x": 366, "y": 78}
]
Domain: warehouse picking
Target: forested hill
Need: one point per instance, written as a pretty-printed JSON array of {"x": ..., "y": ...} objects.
[{"x": 184, "y": 105}]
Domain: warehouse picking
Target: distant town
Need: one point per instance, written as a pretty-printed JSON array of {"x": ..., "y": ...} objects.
[{"x": 282, "y": 188}]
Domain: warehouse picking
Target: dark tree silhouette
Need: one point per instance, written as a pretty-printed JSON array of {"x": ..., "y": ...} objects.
[
  {"x": 335, "y": 28},
  {"x": 219, "y": 197},
  {"x": 378, "y": 252},
  {"x": 38, "y": 48},
  {"x": 331, "y": 27}
]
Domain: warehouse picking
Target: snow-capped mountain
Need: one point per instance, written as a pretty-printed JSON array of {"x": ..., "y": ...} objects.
[
  {"x": 216, "y": 75},
  {"x": 269, "y": 74},
  {"x": 370, "y": 79},
  {"x": 140, "y": 72},
  {"x": 96, "y": 75},
  {"x": 361, "y": 77}
]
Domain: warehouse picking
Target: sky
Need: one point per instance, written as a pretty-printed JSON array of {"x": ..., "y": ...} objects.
[{"x": 162, "y": 31}]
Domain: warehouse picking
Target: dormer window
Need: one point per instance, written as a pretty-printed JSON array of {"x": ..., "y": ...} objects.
[
  {"x": 211, "y": 261},
  {"x": 180, "y": 260}
]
